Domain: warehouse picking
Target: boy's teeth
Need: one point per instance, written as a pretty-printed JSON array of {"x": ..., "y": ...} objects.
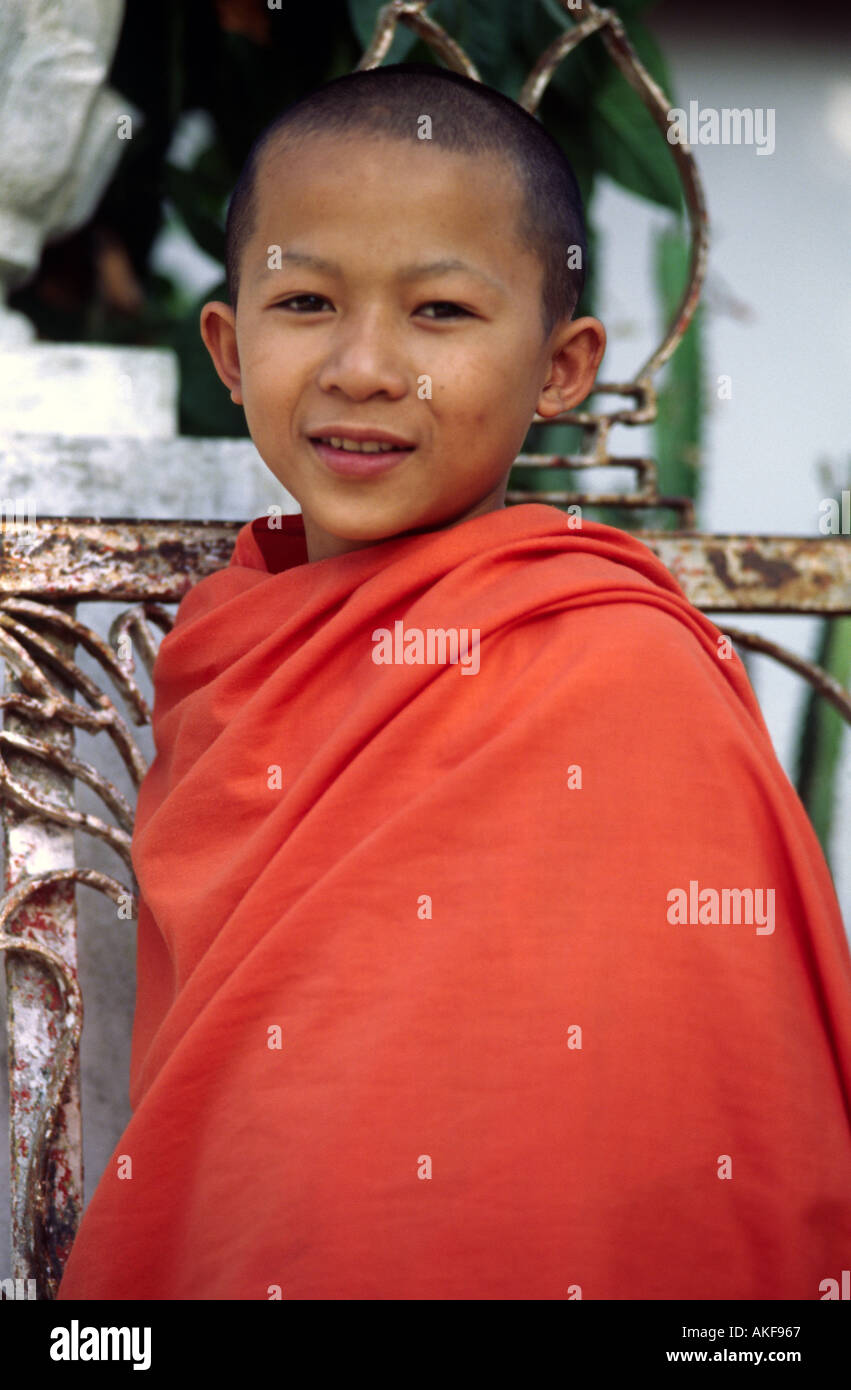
[{"x": 364, "y": 446}]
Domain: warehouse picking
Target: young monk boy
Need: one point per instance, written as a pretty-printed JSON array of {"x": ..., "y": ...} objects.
[{"x": 485, "y": 950}]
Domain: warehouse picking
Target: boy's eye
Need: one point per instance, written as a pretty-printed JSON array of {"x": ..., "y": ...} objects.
[
  {"x": 445, "y": 304},
  {"x": 299, "y": 298},
  {"x": 320, "y": 299}
]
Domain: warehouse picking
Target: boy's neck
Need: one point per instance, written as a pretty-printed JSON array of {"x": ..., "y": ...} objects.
[{"x": 323, "y": 545}]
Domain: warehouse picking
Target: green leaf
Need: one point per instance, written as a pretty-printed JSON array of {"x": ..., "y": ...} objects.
[
  {"x": 198, "y": 201},
  {"x": 216, "y": 173},
  {"x": 624, "y": 9},
  {"x": 363, "y": 14},
  {"x": 638, "y": 157},
  {"x": 629, "y": 147},
  {"x": 822, "y": 731},
  {"x": 205, "y": 407},
  {"x": 488, "y": 44},
  {"x": 678, "y": 430},
  {"x": 623, "y": 139},
  {"x": 483, "y": 28}
]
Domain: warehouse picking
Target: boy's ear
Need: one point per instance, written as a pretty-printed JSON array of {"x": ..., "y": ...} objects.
[
  {"x": 218, "y": 330},
  {"x": 574, "y": 362}
]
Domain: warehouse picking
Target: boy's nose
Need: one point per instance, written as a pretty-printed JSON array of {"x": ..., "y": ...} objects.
[{"x": 362, "y": 360}]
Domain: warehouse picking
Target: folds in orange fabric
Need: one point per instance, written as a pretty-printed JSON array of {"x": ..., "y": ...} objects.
[{"x": 432, "y": 1002}]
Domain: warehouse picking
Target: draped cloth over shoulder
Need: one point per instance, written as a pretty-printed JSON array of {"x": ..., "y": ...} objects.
[{"x": 525, "y": 981}]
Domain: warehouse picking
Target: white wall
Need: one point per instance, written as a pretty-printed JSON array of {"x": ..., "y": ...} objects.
[{"x": 777, "y": 314}]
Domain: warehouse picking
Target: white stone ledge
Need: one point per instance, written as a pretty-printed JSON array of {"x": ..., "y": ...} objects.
[
  {"x": 186, "y": 477},
  {"x": 83, "y": 389}
]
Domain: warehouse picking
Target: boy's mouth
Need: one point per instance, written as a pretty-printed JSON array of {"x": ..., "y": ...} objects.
[{"x": 359, "y": 457}]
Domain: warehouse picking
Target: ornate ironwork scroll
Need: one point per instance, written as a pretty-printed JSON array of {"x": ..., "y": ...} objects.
[{"x": 37, "y": 910}]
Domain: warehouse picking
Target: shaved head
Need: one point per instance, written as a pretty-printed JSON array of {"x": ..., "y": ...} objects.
[{"x": 465, "y": 116}]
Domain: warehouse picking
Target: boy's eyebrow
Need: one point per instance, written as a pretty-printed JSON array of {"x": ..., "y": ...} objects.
[{"x": 407, "y": 273}]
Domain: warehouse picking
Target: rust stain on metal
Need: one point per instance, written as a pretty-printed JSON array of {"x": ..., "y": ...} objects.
[
  {"x": 759, "y": 574},
  {"x": 718, "y": 561},
  {"x": 772, "y": 572}
]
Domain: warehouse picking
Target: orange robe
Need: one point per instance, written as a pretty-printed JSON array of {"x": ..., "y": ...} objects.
[{"x": 444, "y": 990}]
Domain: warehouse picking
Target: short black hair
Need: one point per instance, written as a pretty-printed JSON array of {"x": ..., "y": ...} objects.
[{"x": 465, "y": 116}]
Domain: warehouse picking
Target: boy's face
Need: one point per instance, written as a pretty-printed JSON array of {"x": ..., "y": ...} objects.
[{"x": 451, "y": 362}]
